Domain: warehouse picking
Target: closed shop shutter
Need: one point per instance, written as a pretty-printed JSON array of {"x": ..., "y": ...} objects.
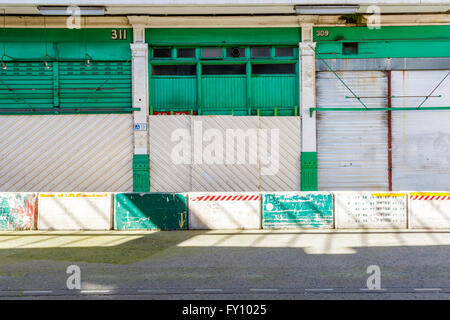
[
  {"x": 421, "y": 139},
  {"x": 183, "y": 153},
  {"x": 100, "y": 85},
  {"x": 352, "y": 145},
  {"x": 26, "y": 85}
]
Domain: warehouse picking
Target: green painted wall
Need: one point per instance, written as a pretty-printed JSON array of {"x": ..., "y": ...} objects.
[
  {"x": 163, "y": 211},
  {"x": 386, "y": 42},
  {"x": 297, "y": 210},
  {"x": 222, "y": 36},
  {"x": 64, "y": 44}
]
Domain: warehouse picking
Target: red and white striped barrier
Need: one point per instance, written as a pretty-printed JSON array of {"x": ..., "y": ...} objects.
[
  {"x": 429, "y": 210},
  {"x": 430, "y": 197},
  {"x": 224, "y": 210},
  {"x": 227, "y": 198}
]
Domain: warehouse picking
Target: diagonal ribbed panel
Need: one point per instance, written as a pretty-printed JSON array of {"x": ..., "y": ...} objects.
[
  {"x": 352, "y": 146},
  {"x": 83, "y": 153},
  {"x": 268, "y": 143},
  {"x": 287, "y": 177},
  {"x": 169, "y": 173},
  {"x": 421, "y": 139},
  {"x": 220, "y": 176}
]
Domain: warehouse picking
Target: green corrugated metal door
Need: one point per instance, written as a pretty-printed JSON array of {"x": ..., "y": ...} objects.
[
  {"x": 26, "y": 85},
  {"x": 274, "y": 91},
  {"x": 98, "y": 85},
  {"x": 224, "y": 94},
  {"x": 174, "y": 93}
]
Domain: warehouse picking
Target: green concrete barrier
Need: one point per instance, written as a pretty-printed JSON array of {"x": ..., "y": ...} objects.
[
  {"x": 288, "y": 210},
  {"x": 161, "y": 211}
]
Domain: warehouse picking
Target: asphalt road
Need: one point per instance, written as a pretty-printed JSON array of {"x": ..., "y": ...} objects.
[{"x": 252, "y": 264}]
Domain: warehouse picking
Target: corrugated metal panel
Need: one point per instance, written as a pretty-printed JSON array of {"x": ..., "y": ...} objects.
[
  {"x": 222, "y": 94},
  {"x": 168, "y": 176},
  {"x": 288, "y": 176},
  {"x": 66, "y": 153},
  {"x": 26, "y": 85},
  {"x": 420, "y": 139},
  {"x": 352, "y": 146},
  {"x": 274, "y": 91},
  {"x": 224, "y": 177},
  {"x": 174, "y": 93},
  {"x": 102, "y": 84},
  {"x": 165, "y": 174}
]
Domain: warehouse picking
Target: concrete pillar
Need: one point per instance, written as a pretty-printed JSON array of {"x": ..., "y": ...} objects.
[
  {"x": 139, "y": 53},
  {"x": 307, "y": 77}
]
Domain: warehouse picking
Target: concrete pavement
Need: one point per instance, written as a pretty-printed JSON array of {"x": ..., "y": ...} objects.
[{"x": 254, "y": 264}]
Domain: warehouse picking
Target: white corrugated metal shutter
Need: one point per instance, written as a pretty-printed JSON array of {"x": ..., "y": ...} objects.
[
  {"x": 261, "y": 170},
  {"x": 167, "y": 174},
  {"x": 288, "y": 176},
  {"x": 85, "y": 153},
  {"x": 420, "y": 139},
  {"x": 352, "y": 145},
  {"x": 221, "y": 176}
]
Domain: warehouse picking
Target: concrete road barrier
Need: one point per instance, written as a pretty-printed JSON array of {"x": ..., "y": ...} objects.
[
  {"x": 75, "y": 211},
  {"x": 17, "y": 211},
  {"x": 284, "y": 210},
  {"x": 224, "y": 210},
  {"x": 429, "y": 210},
  {"x": 163, "y": 211},
  {"x": 370, "y": 210}
]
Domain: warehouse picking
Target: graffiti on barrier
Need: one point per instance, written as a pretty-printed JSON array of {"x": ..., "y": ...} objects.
[{"x": 17, "y": 211}]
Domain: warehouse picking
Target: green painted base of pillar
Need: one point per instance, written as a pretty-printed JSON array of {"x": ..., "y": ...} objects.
[
  {"x": 141, "y": 173},
  {"x": 309, "y": 171}
]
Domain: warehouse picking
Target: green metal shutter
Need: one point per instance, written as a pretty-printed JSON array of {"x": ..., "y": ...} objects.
[
  {"x": 26, "y": 85},
  {"x": 101, "y": 85}
]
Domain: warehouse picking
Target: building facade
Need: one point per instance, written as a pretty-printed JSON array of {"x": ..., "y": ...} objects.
[{"x": 359, "y": 94}]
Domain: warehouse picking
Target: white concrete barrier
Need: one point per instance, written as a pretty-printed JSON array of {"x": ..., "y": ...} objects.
[
  {"x": 224, "y": 210},
  {"x": 75, "y": 211},
  {"x": 429, "y": 210},
  {"x": 374, "y": 210}
]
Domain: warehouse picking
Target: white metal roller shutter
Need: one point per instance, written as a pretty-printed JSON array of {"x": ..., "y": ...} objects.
[
  {"x": 420, "y": 139},
  {"x": 86, "y": 153},
  {"x": 352, "y": 145}
]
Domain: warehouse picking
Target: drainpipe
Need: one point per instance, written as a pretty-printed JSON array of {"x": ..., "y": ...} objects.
[{"x": 389, "y": 125}]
